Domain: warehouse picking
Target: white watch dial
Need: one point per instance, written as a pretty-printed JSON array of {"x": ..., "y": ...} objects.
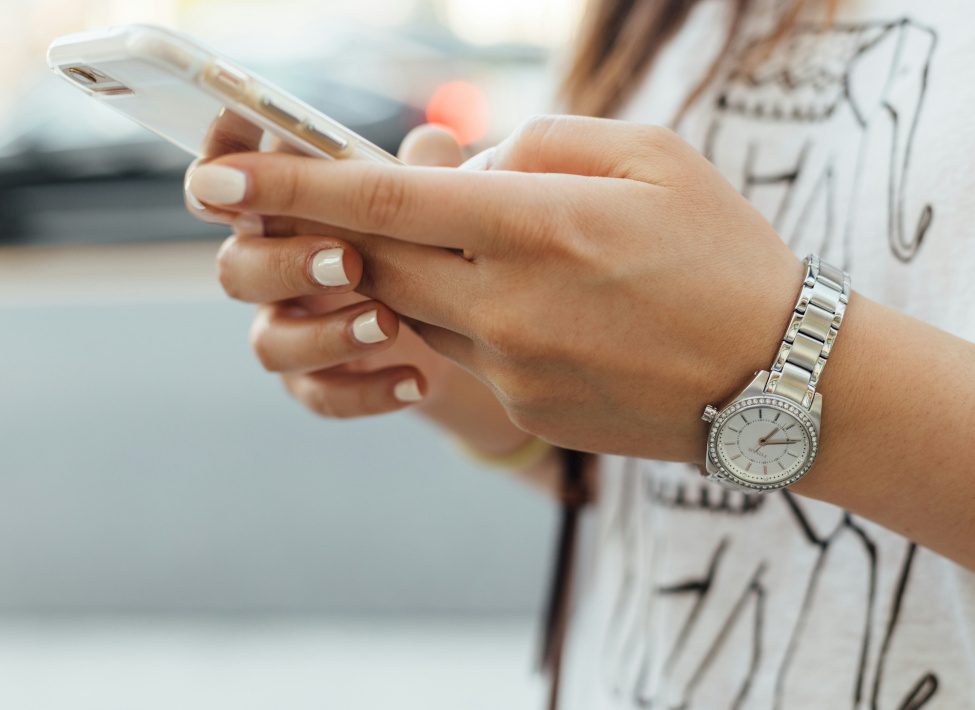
[{"x": 764, "y": 441}]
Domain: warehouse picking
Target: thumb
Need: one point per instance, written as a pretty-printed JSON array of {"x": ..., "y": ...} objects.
[{"x": 432, "y": 146}]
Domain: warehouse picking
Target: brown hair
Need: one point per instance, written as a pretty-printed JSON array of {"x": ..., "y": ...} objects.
[{"x": 620, "y": 39}]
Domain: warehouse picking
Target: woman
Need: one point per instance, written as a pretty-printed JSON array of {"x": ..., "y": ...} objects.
[{"x": 614, "y": 281}]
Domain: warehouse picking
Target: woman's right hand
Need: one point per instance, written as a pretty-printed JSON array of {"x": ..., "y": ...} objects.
[{"x": 340, "y": 354}]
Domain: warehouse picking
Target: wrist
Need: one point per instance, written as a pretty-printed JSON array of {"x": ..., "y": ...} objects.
[
  {"x": 735, "y": 359},
  {"x": 768, "y": 436},
  {"x": 843, "y": 385},
  {"x": 765, "y": 314}
]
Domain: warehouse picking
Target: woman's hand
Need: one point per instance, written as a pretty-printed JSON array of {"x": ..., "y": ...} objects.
[
  {"x": 340, "y": 353},
  {"x": 614, "y": 282},
  {"x": 617, "y": 285}
]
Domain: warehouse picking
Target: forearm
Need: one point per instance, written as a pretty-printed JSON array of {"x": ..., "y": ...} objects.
[{"x": 897, "y": 443}]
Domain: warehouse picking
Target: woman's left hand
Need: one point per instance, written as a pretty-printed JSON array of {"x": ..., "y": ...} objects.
[{"x": 612, "y": 282}]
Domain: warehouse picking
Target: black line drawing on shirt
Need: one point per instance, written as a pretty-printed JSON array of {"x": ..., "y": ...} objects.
[
  {"x": 645, "y": 673},
  {"x": 793, "y": 133},
  {"x": 753, "y": 593},
  {"x": 794, "y": 126},
  {"x": 823, "y": 544},
  {"x": 927, "y": 685},
  {"x": 723, "y": 501}
]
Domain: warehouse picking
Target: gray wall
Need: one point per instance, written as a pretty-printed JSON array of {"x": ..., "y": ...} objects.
[{"x": 147, "y": 463}]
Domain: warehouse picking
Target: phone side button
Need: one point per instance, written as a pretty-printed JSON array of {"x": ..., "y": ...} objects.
[
  {"x": 327, "y": 137},
  {"x": 279, "y": 113},
  {"x": 225, "y": 79},
  {"x": 230, "y": 83}
]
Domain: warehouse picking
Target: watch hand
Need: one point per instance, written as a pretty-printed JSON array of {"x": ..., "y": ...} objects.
[
  {"x": 787, "y": 441},
  {"x": 764, "y": 440}
]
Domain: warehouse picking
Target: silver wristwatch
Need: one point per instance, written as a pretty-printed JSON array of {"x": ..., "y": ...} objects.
[{"x": 768, "y": 436}]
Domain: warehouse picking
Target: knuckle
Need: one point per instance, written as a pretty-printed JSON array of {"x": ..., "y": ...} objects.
[
  {"x": 330, "y": 343},
  {"x": 665, "y": 147},
  {"x": 382, "y": 201},
  {"x": 227, "y": 268},
  {"x": 318, "y": 399},
  {"x": 286, "y": 272},
  {"x": 528, "y": 138},
  {"x": 342, "y": 409},
  {"x": 534, "y": 129},
  {"x": 659, "y": 137},
  {"x": 293, "y": 188},
  {"x": 260, "y": 344}
]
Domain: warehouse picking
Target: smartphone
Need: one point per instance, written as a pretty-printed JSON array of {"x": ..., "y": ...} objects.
[{"x": 197, "y": 99}]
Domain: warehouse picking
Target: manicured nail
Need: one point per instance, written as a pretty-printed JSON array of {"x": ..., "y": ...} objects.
[
  {"x": 366, "y": 328},
  {"x": 191, "y": 198},
  {"x": 327, "y": 268},
  {"x": 249, "y": 224},
  {"x": 217, "y": 184},
  {"x": 407, "y": 391}
]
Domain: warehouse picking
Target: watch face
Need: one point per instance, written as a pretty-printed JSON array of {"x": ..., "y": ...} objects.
[{"x": 763, "y": 442}]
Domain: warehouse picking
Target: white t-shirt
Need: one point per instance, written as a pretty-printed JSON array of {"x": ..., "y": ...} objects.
[{"x": 858, "y": 143}]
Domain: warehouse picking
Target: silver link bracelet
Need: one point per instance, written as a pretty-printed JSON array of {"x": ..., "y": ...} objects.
[{"x": 810, "y": 336}]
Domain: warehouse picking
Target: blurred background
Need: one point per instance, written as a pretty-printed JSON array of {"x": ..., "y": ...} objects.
[{"x": 174, "y": 530}]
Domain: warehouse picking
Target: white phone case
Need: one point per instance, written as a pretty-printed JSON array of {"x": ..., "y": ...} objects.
[{"x": 197, "y": 99}]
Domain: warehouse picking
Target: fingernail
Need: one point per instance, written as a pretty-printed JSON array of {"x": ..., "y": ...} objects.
[
  {"x": 407, "y": 391},
  {"x": 217, "y": 184},
  {"x": 191, "y": 198},
  {"x": 327, "y": 268},
  {"x": 366, "y": 328},
  {"x": 249, "y": 224}
]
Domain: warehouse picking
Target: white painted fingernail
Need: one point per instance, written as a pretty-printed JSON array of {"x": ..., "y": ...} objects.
[
  {"x": 217, "y": 184},
  {"x": 366, "y": 328},
  {"x": 248, "y": 224},
  {"x": 407, "y": 391},
  {"x": 327, "y": 268},
  {"x": 191, "y": 198}
]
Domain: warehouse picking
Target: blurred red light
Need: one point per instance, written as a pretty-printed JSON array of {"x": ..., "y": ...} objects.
[{"x": 462, "y": 108}]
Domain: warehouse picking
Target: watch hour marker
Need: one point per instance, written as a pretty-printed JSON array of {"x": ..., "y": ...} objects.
[
  {"x": 748, "y": 467},
  {"x": 743, "y": 418},
  {"x": 737, "y": 431},
  {"x": 736, "y": 457},
  {"x": 760, "y": 413},
  {"x": 795, "y": 456},
  {"x": 765, "y": 470},
  {"x": 780, "y": 465},
  {"x": 729, "y": 443},
  {"x": 789, "y": 427},
  {"x": 777, "y": 417}
]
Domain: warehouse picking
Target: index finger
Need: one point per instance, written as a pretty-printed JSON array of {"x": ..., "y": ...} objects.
[
  {"x": 229, "y": 133},
  {"x": 441, "y": 207}
]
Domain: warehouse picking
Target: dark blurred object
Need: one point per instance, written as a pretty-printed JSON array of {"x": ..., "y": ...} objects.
[{"x": 75, "y": 172}]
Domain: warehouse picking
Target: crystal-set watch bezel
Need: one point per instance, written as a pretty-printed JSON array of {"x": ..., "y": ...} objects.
[{"x": 774, "y": 402}]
